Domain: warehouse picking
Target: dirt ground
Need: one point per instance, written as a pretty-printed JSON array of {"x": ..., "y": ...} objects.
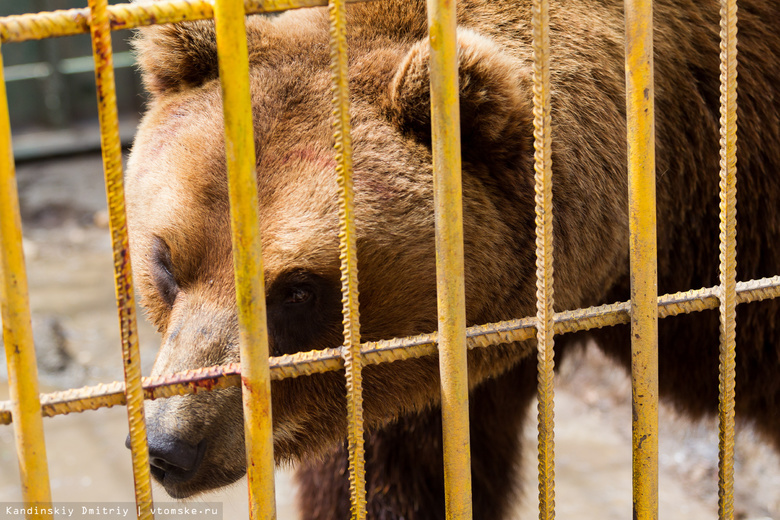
[{"x": 77, "y": 340}]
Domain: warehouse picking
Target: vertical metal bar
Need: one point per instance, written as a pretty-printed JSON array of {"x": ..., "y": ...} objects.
[
  {"x": 445, "y": 126},
  {"x": 348, "y": 255},
  {"x": 17, "y": 328},
  {"x": 56, "y": 96},
  {"x": 544, "y": 257},
  {"x": 642, "y": 229},
  {"x": 247, "y": 255},
  {"x": 125, "y": 300},
  {"x": 728, "y": 253}
]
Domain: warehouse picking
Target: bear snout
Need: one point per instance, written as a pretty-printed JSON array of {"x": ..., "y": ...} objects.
[
  {"x": 196, "y": 442},
  {"x": 172, "y": 460}
]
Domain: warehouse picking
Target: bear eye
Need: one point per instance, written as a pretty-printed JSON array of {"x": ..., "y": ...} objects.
[
  {"x": 297, "y": 295},
  {"x": 304, "y": 312},
  {"x": 162, "y": 271}
]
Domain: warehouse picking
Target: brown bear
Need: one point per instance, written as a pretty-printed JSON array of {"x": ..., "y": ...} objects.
[{"x": 179, "y": 225}]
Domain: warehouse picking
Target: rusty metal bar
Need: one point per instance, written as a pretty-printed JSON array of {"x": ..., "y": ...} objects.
[
  {"x": 450, "y": 287},
  {"x": 643, "y": 254},
  {"x": 318, "y": 361},
  {"x": 123, "y": 280},
  {"x": 728, "y": 254},
  {"x": 36, "y": 26},
  {"x": 247, "y": 255},
  {"x": 387, "y": 351},
  {"x": 544, "y": 257},
  {"x": 353, "y": 362},
  {"x": 25, "y": 404}
]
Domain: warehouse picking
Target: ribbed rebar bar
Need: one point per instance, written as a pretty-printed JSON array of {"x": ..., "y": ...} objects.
[
  {"x": 123, "y": 279},
  {"x": 728, "y": 254},
  {"x": 544, "y": 257},
  {"x": 353, "y": 362}
]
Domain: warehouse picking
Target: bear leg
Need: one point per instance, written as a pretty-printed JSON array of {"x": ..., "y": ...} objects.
[{"x": 404, "y": 461}]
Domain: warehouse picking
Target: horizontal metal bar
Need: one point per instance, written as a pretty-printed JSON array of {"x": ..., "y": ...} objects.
[
  {"x": 375, "y": 352},
  {"x": 78, "y": 65},
  {"x": 37, "y": 26},
  {"x": 73, "y": 140},
  {"x": 28, "y": 71}
]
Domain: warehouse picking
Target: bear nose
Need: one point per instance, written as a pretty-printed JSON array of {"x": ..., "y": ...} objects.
[{"x": 171, "y": 458}]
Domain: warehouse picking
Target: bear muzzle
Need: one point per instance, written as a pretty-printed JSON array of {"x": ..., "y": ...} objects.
[{"x": 173, "y": 460}]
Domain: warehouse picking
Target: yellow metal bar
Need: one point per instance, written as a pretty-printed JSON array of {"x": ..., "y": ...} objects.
[
  {"x": 544, "y": 257},
  {"x": 445, "y": 127},
  {"x": 125, "y": 300},
  {"x": 17, "y": 328},
  {"x": 387, "y": 351},
  {"x": 728, "y": 254},
  {"x": 36, "y": 26},
  {"x": 247, "y": 255},
  {"x": 643, "y": 254},
  {"x": 348, "y": 256}
]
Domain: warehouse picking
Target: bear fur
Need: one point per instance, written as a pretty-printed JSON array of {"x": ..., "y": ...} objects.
[{"x": 179, "y": 224}]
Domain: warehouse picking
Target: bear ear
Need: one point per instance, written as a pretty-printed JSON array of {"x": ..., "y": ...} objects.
[
  {"x": 496, "y": 108},
  {"x": 174, "y": 57}
]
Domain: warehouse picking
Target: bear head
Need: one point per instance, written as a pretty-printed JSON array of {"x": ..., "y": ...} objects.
[{"x": 179, "y": 224}]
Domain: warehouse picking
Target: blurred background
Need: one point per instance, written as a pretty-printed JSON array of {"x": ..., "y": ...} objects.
[
  {"x": 56, "y": 142},
  {"x": 51, "y": 89}
]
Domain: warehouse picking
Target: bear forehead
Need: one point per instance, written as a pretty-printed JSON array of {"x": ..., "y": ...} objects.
[
  {"x": 177, "y": 186},
  {"x": 181, "y": 139}
]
